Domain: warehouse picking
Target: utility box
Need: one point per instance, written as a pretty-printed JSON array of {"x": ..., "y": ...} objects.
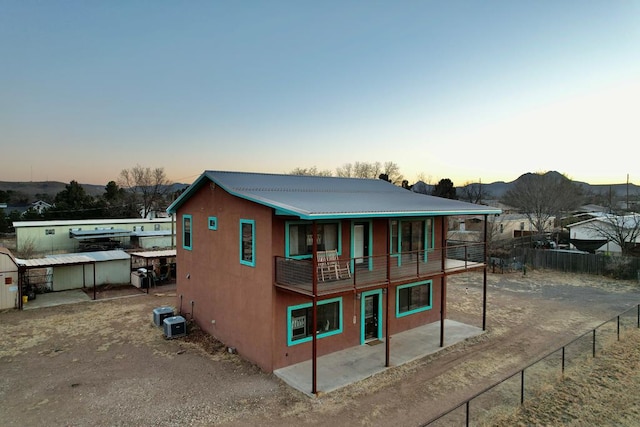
[
  {"x": 161, "y": 313},
  {"x": 174, "y": 327}
]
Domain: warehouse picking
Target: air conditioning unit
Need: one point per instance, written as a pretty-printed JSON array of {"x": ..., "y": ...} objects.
[
  {"x": 175, "y": 326},
  {"x": 161, "y": 313}
]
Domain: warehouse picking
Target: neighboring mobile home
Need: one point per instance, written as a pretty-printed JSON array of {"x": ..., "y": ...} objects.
[
  {"x": 90, "y": 235},
  {"x": 285, "y": 268}
]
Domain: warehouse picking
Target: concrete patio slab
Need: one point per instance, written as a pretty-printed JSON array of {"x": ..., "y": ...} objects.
[
  {"x": 50, "y": 299},
  {"x": 354, "y": 364}
]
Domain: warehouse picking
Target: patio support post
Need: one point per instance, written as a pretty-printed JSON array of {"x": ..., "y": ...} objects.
[
  {"x": 387, "y": 355},
  {"x": 314, "y": 312},
  {"x": 442, "y": 314},
  {"x": 443, "y": 299},
  {"x": 484, "y": 278}
]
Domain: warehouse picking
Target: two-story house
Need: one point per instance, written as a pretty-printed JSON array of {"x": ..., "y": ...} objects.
[{"x": 287, "y": 268}]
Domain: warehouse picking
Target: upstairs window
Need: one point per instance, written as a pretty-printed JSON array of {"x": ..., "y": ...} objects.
[
  {"x": 247, "y": 242},
  {"x": 186, "y": 232},
  {"x": 395, "y": 242},
  {"x": 415, "y": 235},
  {"x": 300, "y": 238}
]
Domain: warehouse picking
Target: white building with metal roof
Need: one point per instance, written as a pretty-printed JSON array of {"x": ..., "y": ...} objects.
[{"x": 36, "y": 238}]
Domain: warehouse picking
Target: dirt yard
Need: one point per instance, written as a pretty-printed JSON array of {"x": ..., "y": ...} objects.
[{"x": 104, "y": 363}]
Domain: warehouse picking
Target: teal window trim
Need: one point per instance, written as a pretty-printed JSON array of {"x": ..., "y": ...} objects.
[
  {"x": 212, "y": 223},
  {"x": 287, "y": 224},
  {"x": 428, "y": 283},
  {"x": 429, "y": 243},
  {"x": 291, "y": 309},
  {"x": 380, "y": 321},
  {"x": 184, "y": 243},
  {"x": 353, "y": 244},
  {"x": 251, "y": 222}
]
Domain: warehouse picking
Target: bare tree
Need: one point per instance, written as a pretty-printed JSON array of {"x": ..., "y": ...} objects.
[
  {"x": 541, "y": 196},
  {"x": 392, "y": 171},
  {"x": 147, "y": 186},
  {"x": 345, "y": 171},
  {"x": 473, "y": 192},
  {"x": 371, "y": 170},
  {"x": 312, "y": 171},
  {"x": 623, "y": 230}
]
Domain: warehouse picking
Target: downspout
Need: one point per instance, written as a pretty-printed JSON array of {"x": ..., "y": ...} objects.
[
  {"x": 173, "y": 244},
  {"x": 484, "y": 278},
  {"x": 94, "y": 280},
  {"x": 443, "y": 287},
  {"x": 387, "y": 355},
  {"x": 314, "y": 312}
]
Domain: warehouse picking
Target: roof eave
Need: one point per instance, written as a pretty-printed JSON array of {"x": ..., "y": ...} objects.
[
  {"x": 361, "y": 215},
  {"x": 195, "y": 185}
]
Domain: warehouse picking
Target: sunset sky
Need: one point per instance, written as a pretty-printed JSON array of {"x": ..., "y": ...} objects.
[{"x": 465, "y": 90}]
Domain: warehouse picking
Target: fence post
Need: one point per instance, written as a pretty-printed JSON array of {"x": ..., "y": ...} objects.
[
  {"x": 467, "y": 424},
  {"x": 522, "y": 387},
  {"x": 618, "y": 327},
  {"x": 563, "y": 360},
  {"x": 594, "y": 343}
]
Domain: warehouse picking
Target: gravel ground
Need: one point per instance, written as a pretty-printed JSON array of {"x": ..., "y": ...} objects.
[{"x": 104, "y": 363}]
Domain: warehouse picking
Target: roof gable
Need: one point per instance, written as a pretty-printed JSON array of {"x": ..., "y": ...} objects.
[{"x": 314, "y": 197}]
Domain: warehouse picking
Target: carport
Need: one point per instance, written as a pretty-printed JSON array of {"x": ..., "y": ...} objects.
[{"x": 24, "y": 265}]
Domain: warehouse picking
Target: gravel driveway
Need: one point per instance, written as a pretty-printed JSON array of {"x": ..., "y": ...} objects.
[{"x": 104, "y": 363}]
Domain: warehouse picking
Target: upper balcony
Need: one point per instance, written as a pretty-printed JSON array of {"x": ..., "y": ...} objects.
[{"x": 364, "y": 273}]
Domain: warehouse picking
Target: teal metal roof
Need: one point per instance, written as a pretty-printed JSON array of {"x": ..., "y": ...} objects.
[{"x": 315, "y": 197}]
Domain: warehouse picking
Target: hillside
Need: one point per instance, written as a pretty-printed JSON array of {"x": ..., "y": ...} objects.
[
  {"x": 31, "y": 190},
  {"x": 34, "y": 190},
  {"x": 497, "y": 189}
]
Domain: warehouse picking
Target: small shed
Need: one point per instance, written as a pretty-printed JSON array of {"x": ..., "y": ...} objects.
[
  {"x": 8, "y": 280},
  {"x": 162, "y": 264}
]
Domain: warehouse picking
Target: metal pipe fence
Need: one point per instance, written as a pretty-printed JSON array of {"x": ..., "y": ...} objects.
[
  {"x": 512, "y": 390},
  {"x": 621, "y": 267}
]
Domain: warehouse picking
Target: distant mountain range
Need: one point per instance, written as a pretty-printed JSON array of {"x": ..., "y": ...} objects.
[
  {"x": 34, "y": 190},
  {"x": 495, "y": 190}
]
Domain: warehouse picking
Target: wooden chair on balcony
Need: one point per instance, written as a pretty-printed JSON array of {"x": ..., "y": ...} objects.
[{"x": 329, "y": 267}]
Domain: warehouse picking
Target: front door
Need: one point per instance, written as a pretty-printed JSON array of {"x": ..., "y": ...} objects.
[
  {"x": 371, "y": 316},
  {"x": 361, "y": 243}
]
